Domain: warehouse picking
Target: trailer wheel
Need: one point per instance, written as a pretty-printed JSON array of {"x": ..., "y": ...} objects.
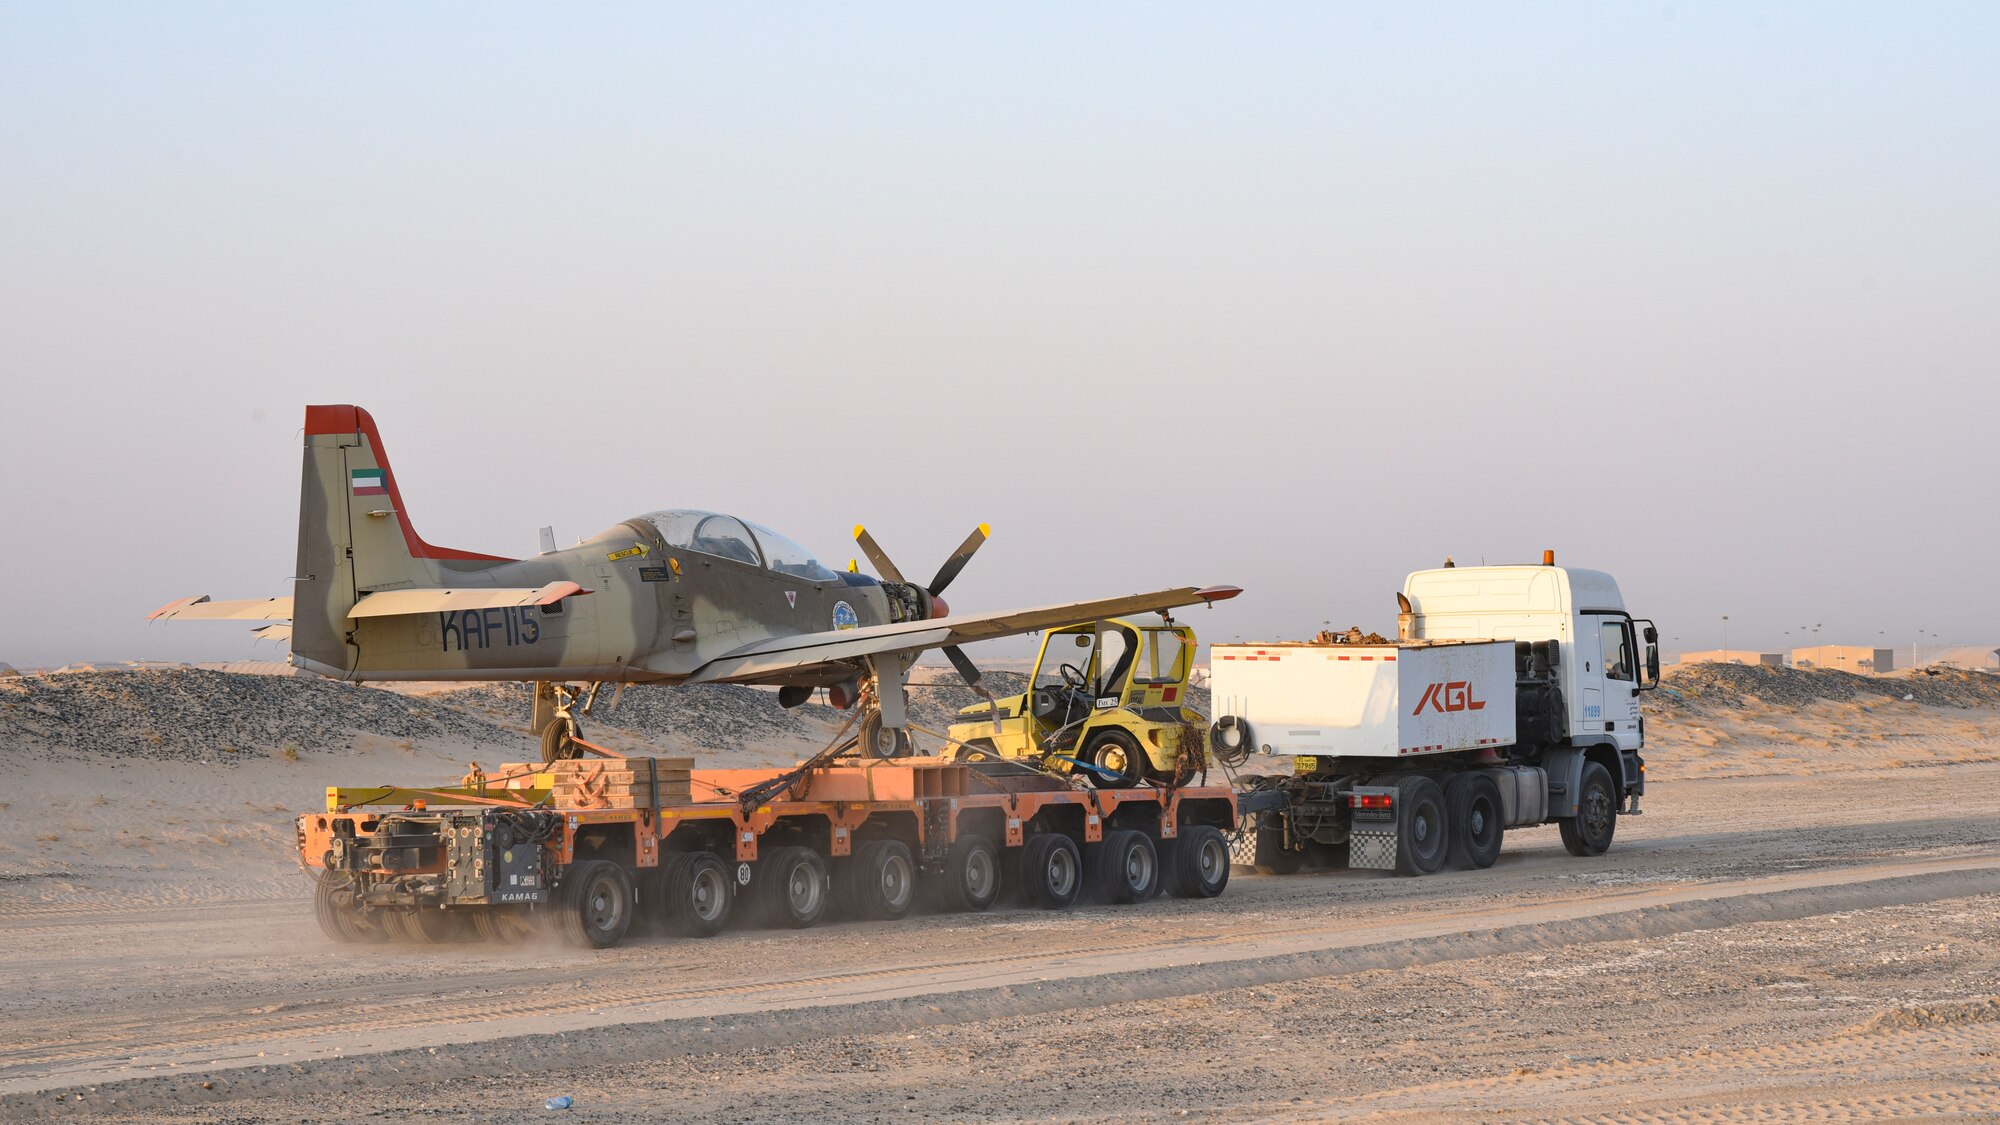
[
  {"x": 1589, "y": 832},
  {"x": 1423, "y": 836},
  {"x": 1200, "y": 862},
  {"x": 593, "y": 906},
  {"x": 693, "y": 893},
  {"x": 1118, "y": 756},
  {"x": 1472, "y": 809},
  {"x": 339, "y": 916},
  {"x": 971, "y": 879},
  {"x": 1128, "y": 866},
  {"x": 423, "y": 925},
  {"x": 793, "y": 887},
  {"x": 1272, "y": 856},
  {"x": 501, "y": 925},
  {"x": 880, "y": 881},
  {"x": 1052, "y": 870}
]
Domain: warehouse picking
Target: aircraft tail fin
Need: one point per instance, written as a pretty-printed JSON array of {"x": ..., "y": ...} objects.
[{"x": 355, "y": 535}]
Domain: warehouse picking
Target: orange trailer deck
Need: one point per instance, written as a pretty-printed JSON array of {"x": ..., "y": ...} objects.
[{"x": 587, "y": 854}]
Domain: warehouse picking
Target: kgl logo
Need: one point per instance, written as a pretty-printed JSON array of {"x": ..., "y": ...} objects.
[{"x": 1453, "y": 696}]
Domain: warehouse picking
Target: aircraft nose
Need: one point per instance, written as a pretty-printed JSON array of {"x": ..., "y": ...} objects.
[{"x": 938, "y": 607}]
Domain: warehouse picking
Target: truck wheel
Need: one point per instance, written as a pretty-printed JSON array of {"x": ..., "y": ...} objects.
[
  {"x": 1589, "y": 832},
  {"x": 1273, "y": 857},
  {"x": 1051, "y": 870},
  {"x": 1118, "y": 755},
  {"x": 695, "y": 892},
  {"x": 880, "y": 881},
  {"x": 971, "y": 879},
  {"x": 1200, "y": 865},
  {"x": 593, "y": 906},
  {"x": 794, "y": 887},
  {"x": 1472, "y": 809},
  {"x": 1128, "y": 866},
  {"x": 1423, "y": 836}
]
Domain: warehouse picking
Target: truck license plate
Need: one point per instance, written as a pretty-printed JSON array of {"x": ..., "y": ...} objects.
[{"x": 1305, "y": 763}]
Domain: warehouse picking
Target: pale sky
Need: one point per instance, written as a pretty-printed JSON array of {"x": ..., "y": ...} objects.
[{"x": 1297, "y": 298}]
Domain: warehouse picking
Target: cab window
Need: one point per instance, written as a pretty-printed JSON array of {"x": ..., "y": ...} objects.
[
  {"x": 1115, "y": 659},
  {"x": 1160, "y": 663},
  {"x": 1617, "y": 653}
]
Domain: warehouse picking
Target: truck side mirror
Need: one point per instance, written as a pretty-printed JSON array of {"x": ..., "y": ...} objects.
[
  {"x": 1652, "y": 635},
  {"x": 1652, "y": 660}
]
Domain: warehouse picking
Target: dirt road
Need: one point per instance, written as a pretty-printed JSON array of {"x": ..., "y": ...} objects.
[{"x": 1716, "y": 962}]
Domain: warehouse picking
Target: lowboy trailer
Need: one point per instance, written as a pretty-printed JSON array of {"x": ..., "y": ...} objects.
[{"x": 586, "y": 849}]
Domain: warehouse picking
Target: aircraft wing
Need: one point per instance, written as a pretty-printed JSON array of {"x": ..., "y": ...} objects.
[
  {"x": 200, "y": 608},
  {"x": 780, "y": 655}
]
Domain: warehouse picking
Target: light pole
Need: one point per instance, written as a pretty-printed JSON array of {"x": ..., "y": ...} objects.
[{"x": 1725, "y": 636}]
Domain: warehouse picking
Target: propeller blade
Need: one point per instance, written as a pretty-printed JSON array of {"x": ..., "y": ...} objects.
[
  {"x": 969, "y": 672},
  {"x": 958, "y": 559},
  {"x": 877, "y": 556},
  {"x": 966, "y": 670}
]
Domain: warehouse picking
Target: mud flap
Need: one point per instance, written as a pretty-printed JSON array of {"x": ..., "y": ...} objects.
[{"x": 1371, "y": 834}]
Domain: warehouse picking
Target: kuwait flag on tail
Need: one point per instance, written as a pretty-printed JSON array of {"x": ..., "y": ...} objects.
[{"x": 369, "y": 482}]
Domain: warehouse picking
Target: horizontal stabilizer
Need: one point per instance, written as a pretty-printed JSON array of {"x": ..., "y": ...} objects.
[
  {"x": 245, "y": 609},
  {"x": 393, "y": 603}
]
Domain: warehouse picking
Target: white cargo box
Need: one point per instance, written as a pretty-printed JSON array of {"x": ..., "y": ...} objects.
[{"x": 1368, "y": 701}]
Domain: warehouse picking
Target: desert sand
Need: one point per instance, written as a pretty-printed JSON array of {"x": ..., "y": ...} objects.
[{"x": 1802, "y": 926}]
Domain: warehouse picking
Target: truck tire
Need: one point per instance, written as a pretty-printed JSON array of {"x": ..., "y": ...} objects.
[
  {"x": 1127, "y": 761},
  {"x": 879, "y": 882},
  {"x": 1051, "y": 870},
  {"x": 971, "y": 878},
  {"x": 793, "y": 887},
  {"x": 594, "y": 905},
  {"x": 1423, "y": 833},
  {"x": 1128, "y": 866},
  {"x": 1199, "y": 867},
  {"x": 1589, "y": 832},
  {"x": 693, "y": 895},
  {"x": 1273, "y": 857},
  {"x": 1475, "y": 818}
]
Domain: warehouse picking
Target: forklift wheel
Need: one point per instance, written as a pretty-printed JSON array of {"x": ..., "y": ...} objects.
[{"x": 1120, "y": 762}]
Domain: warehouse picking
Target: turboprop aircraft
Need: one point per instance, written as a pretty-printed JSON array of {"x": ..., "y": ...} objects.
[{"x": 670, "y": 597}]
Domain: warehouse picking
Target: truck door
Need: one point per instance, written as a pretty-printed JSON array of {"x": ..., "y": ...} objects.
[
  {"x": 1621, "y": 680},
  {"x": 1586, "y": 671}
]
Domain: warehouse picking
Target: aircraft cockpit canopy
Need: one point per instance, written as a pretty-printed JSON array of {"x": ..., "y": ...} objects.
[{"x": 724, "y": 536}]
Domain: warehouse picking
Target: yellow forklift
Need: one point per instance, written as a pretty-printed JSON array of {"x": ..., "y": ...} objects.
[{"x": 1107, "y": 699}]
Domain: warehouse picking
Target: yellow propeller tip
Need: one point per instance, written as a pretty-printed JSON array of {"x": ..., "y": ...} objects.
[
  {"x": 859, "y": 531},
  {"x": 985, "y": 529}
]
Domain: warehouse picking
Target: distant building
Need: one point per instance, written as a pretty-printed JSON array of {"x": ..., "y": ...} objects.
[
  {"x": 1734, "y": 656},
  {"x": 1846, "y": 658}
]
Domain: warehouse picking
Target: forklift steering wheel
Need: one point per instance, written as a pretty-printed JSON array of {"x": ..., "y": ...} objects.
[{"x": 1072, "y": 678}]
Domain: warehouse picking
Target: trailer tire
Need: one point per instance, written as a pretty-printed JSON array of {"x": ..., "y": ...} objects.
[
  {"x": 971, "y": 880},
  {"x": 880, "y": 881},
  {"x": 594, "y": 904},
  {"x": 693, "y": 895},
  {"x": 501, "y": 925},
  {"x": 1589, "y": 832},
  {"x": 1132, "y": 760},
  {"x": 1199, "y": 866},
  {"x": 1051, "y": 870},
  {"x": 1476, "y": 820},
  {"x": 793, "y": 887},
  {"x": 1128, "y": 866},
  {"x": 339, "y": 917},
  {"x": 1272, "y": 856},
  {"x": 1423, "y": 828}
]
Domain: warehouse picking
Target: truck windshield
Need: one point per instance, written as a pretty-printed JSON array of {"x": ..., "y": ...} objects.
[{"x": 1160, "y": 663}]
